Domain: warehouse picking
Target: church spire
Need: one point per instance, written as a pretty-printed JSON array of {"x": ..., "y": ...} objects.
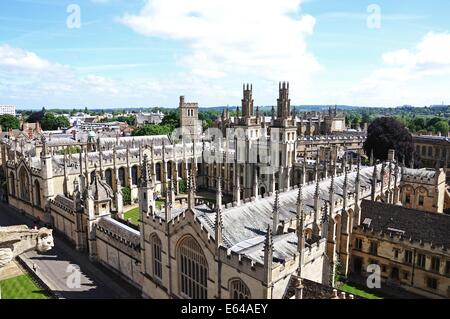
[
  {"x": 276, "y": 212},
  {"x": 300, "y": 232},
  {"x": 268, "y": 256},
  {"x": 191, "y": 190},
  {"x": 145, "y": 175},
  {"x": 374, "y": 181},
  {"x": 219, "y": 223},
  {"x": 299, "y": 203},
  {"x": 169, "y": 203}
]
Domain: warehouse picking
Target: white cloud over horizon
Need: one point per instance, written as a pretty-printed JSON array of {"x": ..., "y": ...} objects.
[
  {"x": 220, "y": 44},
  {"x": 263, "y": 41},
  {"x": 418, "y": 76}
]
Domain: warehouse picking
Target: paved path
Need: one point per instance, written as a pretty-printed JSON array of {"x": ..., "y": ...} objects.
[{"x": 58, "y": 268}]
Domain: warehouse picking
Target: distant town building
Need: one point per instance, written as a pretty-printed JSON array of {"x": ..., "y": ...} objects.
[
  {"x": 149, "y": 118},
  {"x": 7, "y": 109},
  {"x": 433, "y": 151}
]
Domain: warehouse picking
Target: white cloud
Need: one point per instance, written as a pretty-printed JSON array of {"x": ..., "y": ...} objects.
[
  {"x": 18, "y": 59},
  {"x": 234, "y": 40},
  {"x": 411, "y": 76},
  {"x": 28, "y": 78}
]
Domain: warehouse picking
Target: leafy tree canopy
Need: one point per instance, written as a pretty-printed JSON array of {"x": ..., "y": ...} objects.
[
  {"x": 387, "y": 133},
  {"x": 172, "y": 118},
  {"x": 154, "y": 129},
  {"x": 51, "y": 122},
  {"x": 9, "y": 121}
]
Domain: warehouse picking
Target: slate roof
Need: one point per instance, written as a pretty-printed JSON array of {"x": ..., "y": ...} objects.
[
  {"x": 418, "y": 225},
  {"x": 245, "y": 225}
]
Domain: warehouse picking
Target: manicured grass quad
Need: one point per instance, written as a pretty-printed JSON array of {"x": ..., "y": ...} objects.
[
  {"x": 21, "y": 287},
  {"x": 358, "y": 292}
]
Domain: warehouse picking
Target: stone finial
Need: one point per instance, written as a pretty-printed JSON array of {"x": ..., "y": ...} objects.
[{"x": 276, "y": 212}]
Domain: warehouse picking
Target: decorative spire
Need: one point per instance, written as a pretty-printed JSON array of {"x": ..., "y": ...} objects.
[
  {"x": 169, "y": 203},
  {"x": 299, "y": 204},
  {"x": 191, "y": 192},
  {"x": 268, "y": 256},
  {"x": 276, "y": 212},
  {"x": 44, "y": 151},
  {"x": 358, "y": 174},
  {"x": 219, "y": 193},
  {"x": 219, "y": 223},
  {"x": 325, "y": 216},
  {"x": 145, "y": 173},
  {"x": 345, "y": 179}
]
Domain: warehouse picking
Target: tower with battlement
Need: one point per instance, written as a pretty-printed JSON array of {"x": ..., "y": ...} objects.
[{"x": 189, "y": 122}]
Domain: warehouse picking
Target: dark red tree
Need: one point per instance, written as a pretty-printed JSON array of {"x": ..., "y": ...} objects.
[{"x": 386, "y": 133}]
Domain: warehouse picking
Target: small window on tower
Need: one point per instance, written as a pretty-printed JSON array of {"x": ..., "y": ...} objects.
[{"x": 421, "y": 200}]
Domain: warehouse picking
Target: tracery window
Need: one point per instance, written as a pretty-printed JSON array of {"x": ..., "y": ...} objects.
[
  {"x": 37, "y": 192},
  {"x": 193, "y": 274},
  {"x": 24, "y": 185},
  {"x": 12, "y": 184},
  {"x": 157, "y": 257},
  {"x": 239, "y": 290},
  {"x": 134, "y": 175},
  {"x": 108, "y": 176}
]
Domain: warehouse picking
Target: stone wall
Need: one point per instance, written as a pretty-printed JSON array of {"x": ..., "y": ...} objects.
[{"x": 118, "y": 248}]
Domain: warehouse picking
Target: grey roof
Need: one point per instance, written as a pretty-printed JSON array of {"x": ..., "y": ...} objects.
[
  {"x": 418, "y": 225},
  {"x": 431, "y": 138},
  {"x": 244, "y": 224},
  {"x": 420, "y": 173},
  {"x": 100, "y": 190}
]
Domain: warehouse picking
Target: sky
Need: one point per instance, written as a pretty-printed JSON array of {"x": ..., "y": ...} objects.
[{"x": 146, "y": 53}]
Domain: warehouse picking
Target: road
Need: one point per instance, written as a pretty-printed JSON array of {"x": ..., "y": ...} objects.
[{"x": 61, "y": 267}]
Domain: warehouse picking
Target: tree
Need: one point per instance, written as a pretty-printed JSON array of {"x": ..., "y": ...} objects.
[
  {"x": 172, "y": 118},
  {"x": 387, "y": 133},
  {"x": 441, "y": 127},
  {"x": 62, "y": 122},
  {"x": 35, "y": 117},
  {"x": 126, "y": 195},
  {"x": 130, "y": 120},
  {"x": 182, "y": 186},
  {"x": 9, "y": 121},
  {"x": 153, "y": 129},
  {"x": 70, "y": 150},
  {"x": 51, "y": 122}
]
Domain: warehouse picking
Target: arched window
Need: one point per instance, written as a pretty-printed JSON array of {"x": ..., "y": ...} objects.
[
  {"x": 108, "y": 176},
  {"x": 12, "y": 184},
  {"x": 239, "y": 290},
  {"x": 134, "y": 175},
  {"x": 158, "y": 171},
  {"x": 122, "y": 176},
  {"x": 180, "y": 170},
  {"x": 24, "y": 185},
  {"x": 156, "y": 257},
  {"x": 37, "y": 193},
  {"x": 193, "y": 274},
  {"x": 169, "y": 170}
]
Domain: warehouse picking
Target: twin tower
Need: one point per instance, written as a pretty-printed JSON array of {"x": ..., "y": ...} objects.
[{"x": 283, "y": 102}]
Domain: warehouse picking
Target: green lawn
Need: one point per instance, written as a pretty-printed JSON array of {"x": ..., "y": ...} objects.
[
  {"x": 21, "y": 287},
  {"x": 133, "y": 214},
  {"x": 358, "y": 292}
]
